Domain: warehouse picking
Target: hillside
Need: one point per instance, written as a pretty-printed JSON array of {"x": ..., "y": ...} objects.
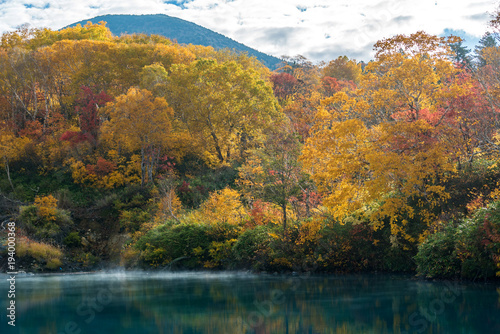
[{"x": 184, "y": 32}]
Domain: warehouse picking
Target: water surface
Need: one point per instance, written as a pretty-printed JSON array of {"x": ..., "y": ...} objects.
[{"x": 208, "y": 302}]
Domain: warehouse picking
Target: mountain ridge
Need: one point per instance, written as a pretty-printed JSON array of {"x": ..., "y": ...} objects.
[{"x": 182, "y": 31}]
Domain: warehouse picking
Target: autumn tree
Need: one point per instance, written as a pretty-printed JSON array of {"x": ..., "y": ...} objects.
[
  {"x": 137, "y": 121},
  {"x": 284, "y": 85},
  {"x": 222, "y": 206},
  {"x": 154, "y": 78},
  {"x": 22, "y": 84},
  {"x": 488, "y": 75},
  {"x": 87, "y": 108},
  {"x": 473, "y": 125},
  {"x": 224, "y": 106},
  {"x": 89, "y": 31},
  {"x": 37, "y": 74},
  {"x": 330, "y": 86},
  {"x": 382, "y": 145},
  {"x": 487, "y": 41},
  {"x": 272, "y": 172},
  {"x": 11, "y": 149},
  {"x": 343, "y": 69},
  {"x": 298, "y": 87}
]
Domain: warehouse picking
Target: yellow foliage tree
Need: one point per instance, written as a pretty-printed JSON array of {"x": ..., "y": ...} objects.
[
  {"x": 224, "y": 106},
  {"x": 11, "y": 148},
  {"x": 223, "y": 206},
  {"x": 343, "y": 68},
  {"x": 46, "y": 207},
  {"x": 109, "y": 173},
  {"x": 90, "y": 31},
  {"x": 382, "y": 144},
  {"x": 170, "y": 204},
  {"x": 139, "y": 122}
]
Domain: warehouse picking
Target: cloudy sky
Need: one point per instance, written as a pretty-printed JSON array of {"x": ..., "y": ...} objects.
[{"x": 317, "y": 29}]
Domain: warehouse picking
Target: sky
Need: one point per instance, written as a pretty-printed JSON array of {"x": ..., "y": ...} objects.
[{"x": 320, "y": 30}]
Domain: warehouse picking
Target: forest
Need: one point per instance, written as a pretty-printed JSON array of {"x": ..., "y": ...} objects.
[{"x": 138, "y": 152}]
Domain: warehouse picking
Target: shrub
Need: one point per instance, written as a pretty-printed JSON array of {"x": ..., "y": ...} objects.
[
  {"x": 47, "y": 255},
  {"x": 47, "y": 225},
  {"x": 167, "y": 243},
  {"x": 188, "y": 244},
  {"x": 130, "y": 257},
  {"x": 133, "y": 219},
  {"x": 470, "y": 250},
  {"x": 223, "y": 206},
  {"x": 437, "y": 256},
  {"x": 72, "y": 240},
  {"x": 253, "y": 248},
  {"x": 197, "y": 180},
  {"x": 220, "y": 253},
  {"x": 86, "y": 259},
  {"x": 345, "y": 247},
  {"x": 46, "y": 207},
  {"x": 134, "y": 208},
  {"x": 476, "y": 246}
]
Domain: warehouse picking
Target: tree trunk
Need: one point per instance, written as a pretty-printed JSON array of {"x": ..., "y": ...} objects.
[
  {"x": 170, "y": 197},
  {"x": 283, "y": 206},
  {"x": 308, "y": 200},
  {"x": 7, "y": 169},
  {"x": 150, "y": 168},
  {"x": 143, "y": 166},
  {"x": 217, "y": 147}
]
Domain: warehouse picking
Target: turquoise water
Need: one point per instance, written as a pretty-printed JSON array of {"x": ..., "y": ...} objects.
[{"x": 207, "y": 302}]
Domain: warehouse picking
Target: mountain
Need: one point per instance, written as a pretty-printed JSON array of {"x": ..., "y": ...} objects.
[{"x": 184, "y": 32}]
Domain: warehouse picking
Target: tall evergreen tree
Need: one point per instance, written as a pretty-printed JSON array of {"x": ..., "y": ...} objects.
[
  {"x": 461, "y": 54},
  {"x": 488, "y": 40}
]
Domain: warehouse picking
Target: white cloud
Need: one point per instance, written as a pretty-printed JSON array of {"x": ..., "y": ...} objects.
[{"x": 318, "y": 29}]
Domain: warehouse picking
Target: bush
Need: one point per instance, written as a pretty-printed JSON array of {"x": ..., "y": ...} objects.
[
  {"x": 133, "y": 219},
  {"x": 253, "y": 248},
  {"x": 72, "y": 240},
  {"x": 223, "y": 206},
  {"x": 437, "y": 256},
  {"x": 134, "y": 208},
  {"x": 165, "y": 244},
  {"x": 45, "y": 227},
  {"x": 478, "y": 242},
  {"x": 87, "y": 259},
  {"x": 199, "y": 180},
  {"x": 470, "y": 250},
  {"x": 346, "y": 247},
  {"x": 189, "y": 245},
  {"x": 220, "y": 254},
  {"x": 130, "y": 257},
  {"x": 47, "y": 255}
]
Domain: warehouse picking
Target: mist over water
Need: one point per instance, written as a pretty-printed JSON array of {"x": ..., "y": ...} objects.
[{"x": 240, "y": 302}]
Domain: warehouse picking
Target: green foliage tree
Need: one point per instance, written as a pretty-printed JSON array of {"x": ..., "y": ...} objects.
[{"x": 273, "y": 173}]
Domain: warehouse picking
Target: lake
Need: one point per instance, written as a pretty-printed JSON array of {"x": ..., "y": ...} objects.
[{"x": 233, "y": 302}]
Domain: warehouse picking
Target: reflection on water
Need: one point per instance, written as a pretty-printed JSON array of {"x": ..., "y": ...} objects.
[{"x": 200, "y": 302}]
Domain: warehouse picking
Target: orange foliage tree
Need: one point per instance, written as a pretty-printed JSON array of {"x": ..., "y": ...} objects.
[{"x": 382, "y": 145}]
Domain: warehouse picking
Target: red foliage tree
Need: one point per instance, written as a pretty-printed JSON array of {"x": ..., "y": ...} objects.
[
  {"x": 331, "y": 85},
  {"x": 284, "y": 85},
  {"x": 87, "y": 107}
]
